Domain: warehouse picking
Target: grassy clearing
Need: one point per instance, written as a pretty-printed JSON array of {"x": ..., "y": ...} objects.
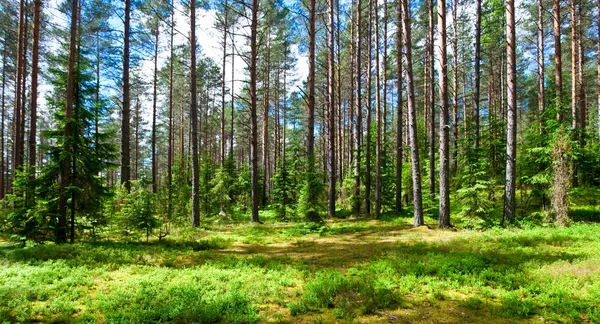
[{"x": 342, "y": 271}]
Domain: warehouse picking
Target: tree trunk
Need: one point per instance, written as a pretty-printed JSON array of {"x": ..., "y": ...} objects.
[
  {"x": 511, "y": 134},
  {"x": 369, "y": 113},
  {"x": 414, "y": 144},
  {"x": 125, "y": 132},
  {"x": 65, "y": 177},
  {"x": 3, "y": 170},
  {"x": 154, "y": 97},
  {"x": 557, "y": 61},
  {"x": 540, "y": 52},
  {"x": 17, "y": 132},
  {"x": 444, "y": 220},
  {"x": 574, "y": 70},
  {"x": 598, "y": 24},
  {"x": 455, "y": 85},
  {"x": 253, "y": 110},
  {"x": 194, "y": 120},
  {"x": 171, "y": 146},
  {"x": 377, "y": 115},
  {"x": 223, "y": 137},
  {"x": 399, "y": 109},
  {"x": 477, "y": 71},
  {"x": 265, "y": 121},
  {"x": 358, "y": 96},
  {"x": 431, "y": 95},
  {"x": 331, "y": 123},
  {"x": 582, "y": 93}
]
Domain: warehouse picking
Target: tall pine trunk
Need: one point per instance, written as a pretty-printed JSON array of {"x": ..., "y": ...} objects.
[
  {"x": 444, "y": 220},
  {"x": 194, "y": 120},
  {"x": 358, "y": 97},
  {"x": 477, "y": 72},
  {"x": 331, "y": 115},
  {"x": 377, "y": 115},
  {"x": 253, "y": 110},
  {"x": 65, "y": 177},
  {"x": 511, "y": 133},
  {"x": 410, "y": 90},
  {"x": 540, "y": 52},
  {"x": 399, "y": 144},
  {"x": 557, "y": 61},
  {"x": 431, "y": 98},
  {"x": 154, "y": 98}
]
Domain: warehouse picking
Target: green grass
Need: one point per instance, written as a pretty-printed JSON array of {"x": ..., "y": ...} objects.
[{"x": 340, "y": 271}]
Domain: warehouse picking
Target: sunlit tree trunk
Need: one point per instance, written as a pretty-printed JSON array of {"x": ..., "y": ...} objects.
[
  {"x": 444, "y": 220},
  {"x": 331, "y": 114},
  {"x": 410, "y": 90},
  {"x": 125, "y": 130},
  {"x": 194, "y": 120},
  {"x": 399, "y": 130},
  {"x": 253, "y": 111},
  {"x": 477, "y": 71},
  {"x": 557, "y": 60},
  {"x": 511, "y": 134}
]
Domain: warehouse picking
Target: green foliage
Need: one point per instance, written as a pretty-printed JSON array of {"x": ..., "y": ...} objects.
[
  {"x": 137, "y": 210},
  {"x": 283, "y": 192}
]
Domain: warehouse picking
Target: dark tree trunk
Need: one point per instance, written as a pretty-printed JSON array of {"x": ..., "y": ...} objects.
[
  {"x": 369, "y": 113},
  {"x": 540, "y": 52},
  {"x": 154, "y": 97},
  {"x": 477, "y": 72},
  {"x": 358, "y": 96},
  {"x": 331, "y": 122},
  {"x": 194, "y": 120},
  {"x": 125, "y": 130},
  {"x": 253, "y": 110},
  {"x": 65, "y": 177},
  {"x": 410, "y": 90}
]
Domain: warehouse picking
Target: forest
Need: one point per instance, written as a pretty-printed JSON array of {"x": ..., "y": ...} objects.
[{"x": 300, "y": 161}]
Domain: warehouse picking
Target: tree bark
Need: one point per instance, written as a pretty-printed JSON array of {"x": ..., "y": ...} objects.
[
  {"x": 223, "y": 137},
  {"x": 65, "y": 177},
  {"x": 194, "y": 120},
  {"x": 3, "y": 170},
  {"x": 455, "y": 85},
  {"x": 511, "y": 134},
  {"x": 253, "y": 110},
  {"x": 540, "y": 52},
  {"x": 574, "y": 70},
  {"x": 332, "y": 109},
  {"x": 444, "y": 220},
  {"x": 171, "y": 146},
  {"x": 125, "y": 130},
  {"x": 477, "y": 71},
  {"x": 358, "y": 97},
  {"x": 557, "y": 61},
  {"x": 399, "y": 144},
  {"x": 35, "y": 53},
  {"x": 431, "y": 95},
  {"x": 410, "y": 90},
  {"x": 369, "y": 113},
  {"x": 377, "y": 116},
  {"x": 154, "y": 98}
]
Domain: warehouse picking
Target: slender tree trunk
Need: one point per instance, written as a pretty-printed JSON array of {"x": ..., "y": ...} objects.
[
  {"x": 253, "y": 110},
  {"x": 194, "y": 120},
  {"x": 414, "y": 144},
  {"x": 358, "y": 96},
  {"x": 265, "y": 121},
  {"x": 125, "y": 131},
  {"x": 511, "y": 134},
  {"x": 341, "y": 155},
  {"x": 399, "y": 144},
  {"x": 369, "y": 112},
  {"x": 232, "y": 92},
  {"x": 377, "y": 115},
  {"x": 3, "y": 169},
  {"x": 540, "y": 51},
  {"x": 455, "y": 84},
  {"x": 444, "y": 220},
  {"x": 598, "y": 24},
  {"x": 557, "y": 60},
  {"x": 223, "y": 106},
  {"x": 574, "y": 70},
  {"x": 582, "y": 92},
  {"x": 477, "y": 72},
  {"x": 331, "y": 123},
  {"x": 65, "y": 177},
  {"x": 171, "y": 147},
  {"x": 431, "y": 94},
  {"x": 17, "y": 163},
  {"x": 35, "y": 53},
  {"x": 154, "y": 97}
]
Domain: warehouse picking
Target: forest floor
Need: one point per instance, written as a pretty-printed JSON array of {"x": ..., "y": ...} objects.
[{"x": 341, "y": 271}]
